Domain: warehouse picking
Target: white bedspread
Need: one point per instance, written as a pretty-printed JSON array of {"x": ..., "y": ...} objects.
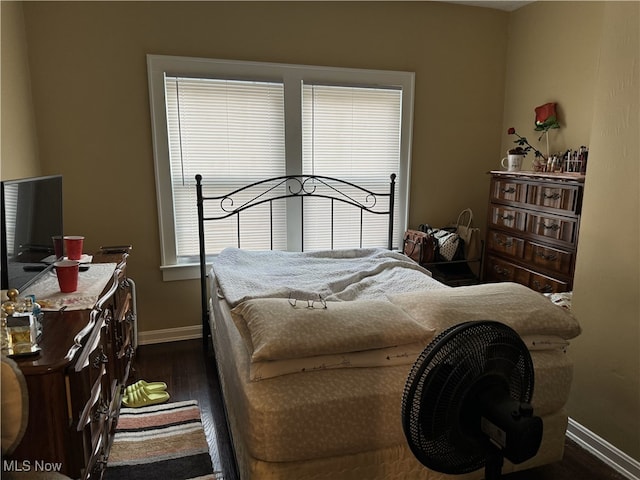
[{"x": 334, "y": 274}]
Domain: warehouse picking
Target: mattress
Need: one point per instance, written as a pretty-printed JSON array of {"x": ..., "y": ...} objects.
[{"x": 350, "y": 426}]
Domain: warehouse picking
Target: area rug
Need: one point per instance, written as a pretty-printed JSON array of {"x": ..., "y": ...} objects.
[{"x": 158, "y": 442}]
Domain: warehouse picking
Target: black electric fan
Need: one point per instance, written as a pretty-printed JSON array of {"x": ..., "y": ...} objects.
[{"x": 466, "y": 402}]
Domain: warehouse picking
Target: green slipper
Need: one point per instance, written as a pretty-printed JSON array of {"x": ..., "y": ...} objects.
[
  {"x": 142, "y": 398},
  {"x": 149, "y": 386}
]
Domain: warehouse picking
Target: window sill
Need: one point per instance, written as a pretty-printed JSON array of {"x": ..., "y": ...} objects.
[{"x": 183, "y": 271}]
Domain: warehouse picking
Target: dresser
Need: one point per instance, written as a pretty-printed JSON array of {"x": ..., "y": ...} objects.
[
  {"x": 75, "y": 382},
  {"x": 533, "y": 222}
]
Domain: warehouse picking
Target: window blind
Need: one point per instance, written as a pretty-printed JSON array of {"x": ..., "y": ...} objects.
[
  {"x": 232, "y": 133},
  {"x": 352, "y": 133}
]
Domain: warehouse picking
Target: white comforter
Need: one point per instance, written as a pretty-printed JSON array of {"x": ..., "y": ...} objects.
[{"x": 333, "y": 274}]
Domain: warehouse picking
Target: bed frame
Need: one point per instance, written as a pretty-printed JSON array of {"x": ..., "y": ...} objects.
[
  {"x": 279, "y": 189},
  {"x": 303, "y": 187}
]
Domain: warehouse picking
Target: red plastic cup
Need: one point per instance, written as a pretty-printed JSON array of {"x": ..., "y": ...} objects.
[
  {"x": 67, "y": 272},
  {"x": 73, "y": 245},
  {"x": 58, "y": 246}
]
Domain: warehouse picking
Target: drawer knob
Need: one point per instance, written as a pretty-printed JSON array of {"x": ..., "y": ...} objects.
[
  {"x": 101, "y": 411},
  {"x": 551, "y": 257},
  {"x": 100, "y": 360},
  {"x": 505, "y": 243},
  {"x": 507, "y": 217},
  {"x": 108, "y": 316},
  {"x": 130, "y": 352},
  {"x": 553, "y": 196},
  {"x": 508, "y": 190},
  {"x": 542, "y": 288},
  {"x": 99, "y": 467},
  {"x": 553, "y": 226},
  {"x": 501, "y": 271},
  {"x": 130, "y": 317}
]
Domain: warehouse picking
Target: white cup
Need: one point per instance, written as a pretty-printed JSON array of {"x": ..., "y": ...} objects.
[{"x": 514, "y": 162}]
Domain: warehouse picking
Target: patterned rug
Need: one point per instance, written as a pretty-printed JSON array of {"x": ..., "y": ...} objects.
[{"x": 158, "y": 442}]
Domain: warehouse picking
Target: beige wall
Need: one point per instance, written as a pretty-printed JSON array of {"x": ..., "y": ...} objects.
[
  {"x": 89, "y": 79},
  {"x": 18, "y": 142},
  {"x": 606, "y": 395},
  {"x": 552, "y": 56},
  {"x": 87, "y": 65},
  {"x": 584, "y": 55}
]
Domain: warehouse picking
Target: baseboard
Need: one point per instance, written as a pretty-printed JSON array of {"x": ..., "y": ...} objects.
[
  {"x": 599, "y": 447},
  {"x": 170, "y": 335}
]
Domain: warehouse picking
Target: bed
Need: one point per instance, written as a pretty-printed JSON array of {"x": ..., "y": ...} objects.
[{"x": 313, "y": 348}]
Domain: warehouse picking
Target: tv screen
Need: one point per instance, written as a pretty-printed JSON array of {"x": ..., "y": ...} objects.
[{"x": 31, "y": 218}]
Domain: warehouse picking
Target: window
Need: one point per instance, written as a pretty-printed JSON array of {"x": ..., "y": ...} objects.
[
  {"x": 238, "y": 122},
  {"x": 350, "y": 133}
]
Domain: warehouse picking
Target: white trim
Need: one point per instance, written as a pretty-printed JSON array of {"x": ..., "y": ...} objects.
[
  {"x": 170, "y": 335},
  {"x": 184, "y": 271},
  {"x": 160, "y": 65},
  {"x": 603, "y": 450}
]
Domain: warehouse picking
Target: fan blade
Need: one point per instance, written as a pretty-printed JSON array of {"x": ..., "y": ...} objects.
[{"x": 507, "y": 355}]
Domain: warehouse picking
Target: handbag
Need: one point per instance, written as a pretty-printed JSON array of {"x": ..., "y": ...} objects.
[
  {"x": 420, "y": 246},
  {"x": 449, "y": 243},
  {"x": 469, "y": 235}
]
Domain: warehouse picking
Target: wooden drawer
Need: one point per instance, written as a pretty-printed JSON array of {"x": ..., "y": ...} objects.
[
  {"x": 543, "y": 284},
  {"x": 549, "y": 258},
  {"x": 123, "y": 332},
  {"x": 90, "y": 364},
  {"x": 555, "y": 197},
  {"x": 98, "y": 361},
  {"x": 123, "y": 293},
  {"x": 499, "y": 270},
  {"x": 505, "y": 190},
  {"x": 553, "y": 228},
  {"x": 506, "y": 244},
  {"x": 91, "y": 422},
  {"x": 126, "y": 349},
  {"x": 505, "y": 217}
]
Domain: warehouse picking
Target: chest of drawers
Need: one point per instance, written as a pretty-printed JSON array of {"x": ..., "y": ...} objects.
[
  {"x": 533, "y": 223},
  {"x": 75, "y": 384}
]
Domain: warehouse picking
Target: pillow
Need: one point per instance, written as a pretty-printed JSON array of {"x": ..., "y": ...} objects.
[
  {"x": 275, "y": 330},
  {"x": 526, "y": 311}
]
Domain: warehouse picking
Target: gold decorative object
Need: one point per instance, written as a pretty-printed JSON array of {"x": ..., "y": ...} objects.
[{"x": 18, "y": 325}]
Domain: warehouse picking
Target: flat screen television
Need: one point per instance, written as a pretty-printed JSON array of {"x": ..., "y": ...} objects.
[{"x": 31, "y": 218}]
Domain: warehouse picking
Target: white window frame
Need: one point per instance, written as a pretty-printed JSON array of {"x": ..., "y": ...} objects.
[{"x": 291, "y": 75}]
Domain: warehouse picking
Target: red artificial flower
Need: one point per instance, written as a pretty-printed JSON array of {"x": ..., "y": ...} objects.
[
  {"x": 546, "y": 117},
  {"x": 511, "y": 131}
]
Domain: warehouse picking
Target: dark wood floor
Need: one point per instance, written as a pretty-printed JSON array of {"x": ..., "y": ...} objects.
[{"x": 191, "y": 375}]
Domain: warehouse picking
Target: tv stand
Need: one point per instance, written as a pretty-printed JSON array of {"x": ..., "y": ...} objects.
[{"x": 76, "y": 382}]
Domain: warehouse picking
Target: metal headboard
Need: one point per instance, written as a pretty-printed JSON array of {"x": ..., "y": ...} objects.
[{"x": 279, "y": 188}]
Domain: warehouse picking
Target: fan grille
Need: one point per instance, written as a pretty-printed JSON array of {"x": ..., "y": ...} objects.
[{"x": 438, "y": 419}]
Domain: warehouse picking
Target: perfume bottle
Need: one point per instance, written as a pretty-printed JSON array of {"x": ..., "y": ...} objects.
[{"x": 18, "y": 325}]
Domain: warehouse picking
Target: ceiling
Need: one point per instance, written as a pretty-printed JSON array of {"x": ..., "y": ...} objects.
[{"x": 507, "y": 5}]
